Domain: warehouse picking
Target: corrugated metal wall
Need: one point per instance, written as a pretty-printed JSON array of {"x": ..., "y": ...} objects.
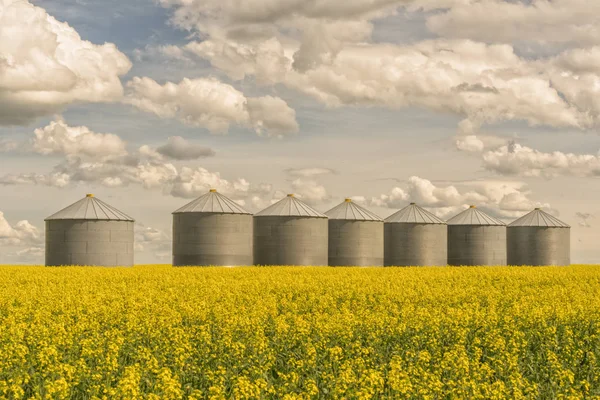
[
  {"x": 212, "y": 239},
  {"x": 355, "y": 243},
  {"x": 415, "y": 244},
  {"x": 536, "y": 245},
  {"x": 476, "y": 245},
  {"x": 284, "y": 240},
  {"x": 85, "y": 242}
]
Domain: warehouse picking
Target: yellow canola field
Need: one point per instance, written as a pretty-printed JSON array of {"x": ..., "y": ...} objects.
[{"x": 158, "y": 332}]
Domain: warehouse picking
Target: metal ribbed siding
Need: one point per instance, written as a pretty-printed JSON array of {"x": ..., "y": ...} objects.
[
  {"x": 86, "y": 242},
  {"x": 415, "y": 244},
  {"x": 476, "y": 245},
  {"x": 537, "y": 245},
  {"x": 355, "y": 243},
  {"x": 212, "y": 239},
  {"x": 289, "y": 240}
]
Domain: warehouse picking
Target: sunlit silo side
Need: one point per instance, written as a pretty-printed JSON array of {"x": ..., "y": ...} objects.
[
  {"x": 212, "y": 230},
  {"x": 475, "y": 238},
  {"x": 89, "y": 232},
  {"x": 355, "y": 236},
  {"x": 290, "y": 232},
  {"x": 538, "y": 238},
  {"x": 414, "y": 236}
]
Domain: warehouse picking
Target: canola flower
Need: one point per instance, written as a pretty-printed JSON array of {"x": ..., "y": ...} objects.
[{"x": 156, "y": 332}]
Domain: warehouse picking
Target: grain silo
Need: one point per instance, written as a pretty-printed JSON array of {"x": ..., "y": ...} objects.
[
  {"x": 355, "y": 236},
  {"x": 475, "y": 238},
  {"x": 414, "y": 236},
  {"x": 290, "y": 232},
  {"x": 89, "y": 232},
  {"x": 538, "y": 238},
  {"x": 212, "y": 230}
]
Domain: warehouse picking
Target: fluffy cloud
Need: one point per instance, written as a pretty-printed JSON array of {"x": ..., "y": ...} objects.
[
  {"x": 310, "y": 190},
  {"x": 504, "y": 199},
  {"x": 177, "y": 148},
  {"x": 21, "y": 233},
  {"x": 60, "y": 139},
  {"x": 323, "y": 49},
  {"x": 209, "y": 103},
  {"x": 153, "y": 240},
  {"x": 118, "y": 167},
  {"x": 540, "y": 21},
  {"x": 267, "y": 61},
  {"x": 484, "y": 83},
  {"x": 45, "y": 65},
  {"x": 518, "y": 160}
]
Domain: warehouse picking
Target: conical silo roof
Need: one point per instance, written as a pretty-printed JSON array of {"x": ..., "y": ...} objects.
[
  {"x": 90, "y": 208},
  {"x": 413, "y": 214},
  {"x": 539, "y": 217},
  {"x": 472, "y": 216},
  {"x": 212, "y": 202},
  {"x": 290, "y": 206},
  {"x": 351, "y": 211}
]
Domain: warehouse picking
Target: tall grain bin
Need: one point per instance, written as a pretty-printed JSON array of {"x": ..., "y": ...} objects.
[
  {"x": 290, "y": 232},
  {"x": 355, "y": 236},
  {"x": 414, "y": 236},
  {"x": 89, "y": 232},
  {"x": 475, "y": 238},
  {"x": 212, "y": 230},
  {"x": 538, "y": 238}
]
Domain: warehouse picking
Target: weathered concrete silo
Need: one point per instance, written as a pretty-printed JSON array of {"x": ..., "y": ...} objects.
[
  {"x": 414, "y": 236},
  {"x": 538, "y": 238},
  {"x": 212, "y": 230},
  {"x": 290, "y": 232},
  {"x": 89, "y": 232},
  {"x": 475, "y": 238},
  {"x": 355, "y": 236}
]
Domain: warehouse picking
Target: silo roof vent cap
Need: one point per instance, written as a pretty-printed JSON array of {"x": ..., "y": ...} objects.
[
  {"x": 290, "y": 195},
  {"x": 89, "y": 195},
  {"x": 213, "y": 190}
]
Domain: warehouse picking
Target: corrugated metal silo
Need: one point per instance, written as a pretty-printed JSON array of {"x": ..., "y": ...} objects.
[
  {"x": 89, "y": 232},
  {"x": 290, "y": 232},
  {"x": 414, "y": 236},
  {"x": 538, "y": 238},
  {"x": 475, "y": 238},
  {"x": 212, "y": 230},
  {"x": 355, "y": 236}
]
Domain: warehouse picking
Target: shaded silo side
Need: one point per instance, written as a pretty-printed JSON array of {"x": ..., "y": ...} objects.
[
  {"x": 355, "y": 236},
  {"x": 475, "y": 238},
  {"x": 538, "y": 238},
  {"x": 89, "y": 232},
  {"x": 415, "y": 237},
  {"x": 212, "y": 230},
  {"x": 290, "y": 232}
]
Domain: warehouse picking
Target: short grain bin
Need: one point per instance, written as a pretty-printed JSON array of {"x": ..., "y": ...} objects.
[
  {"x": 290, "y": 232},
  {"x": 414, "y": 236},
  {"x": 475, "y": 238},
  {"x": 212, "y": 230},
  {"x": 89, "y": 232},
  {"x": 355, "y": 236},
  {"x": 538, "y": 238}
]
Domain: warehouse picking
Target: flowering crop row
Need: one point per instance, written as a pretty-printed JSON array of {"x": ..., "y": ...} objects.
[{"x": 158, "y": 332}]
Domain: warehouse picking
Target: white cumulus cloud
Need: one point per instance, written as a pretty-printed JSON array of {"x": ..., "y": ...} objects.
[
  {"x": 45, "y": 65},
  {"x": 211, "y": 104}
]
